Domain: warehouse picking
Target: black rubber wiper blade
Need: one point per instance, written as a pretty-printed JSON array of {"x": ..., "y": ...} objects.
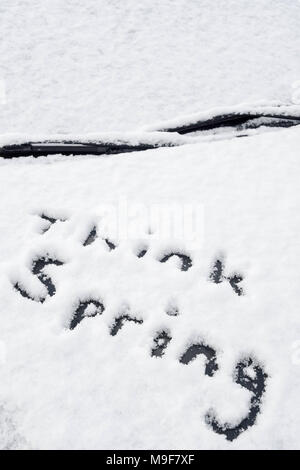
[
  {"x": 235, "y": 120},
  {"x": 242, "y": 121},
  {"x": 39, "y": 149}
]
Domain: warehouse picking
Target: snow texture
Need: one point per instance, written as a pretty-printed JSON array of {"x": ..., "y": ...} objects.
[
  {"x": 71, "y": 378},
  {"x": 81, "y": 66},
  {"x": 142, "y": 341}
]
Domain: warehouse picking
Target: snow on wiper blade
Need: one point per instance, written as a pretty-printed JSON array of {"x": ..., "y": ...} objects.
[
  {"x": 242, "y": 120},
  {"x": 251, "y": 121},
  {"x": 73, "y": 148},
  {"x": 241, "y": 117}
]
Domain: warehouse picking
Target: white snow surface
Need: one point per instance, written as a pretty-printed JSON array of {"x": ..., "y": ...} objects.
[
  {"x": 81, "y": 66},
  {"x": 121, "y": 70},
  {"x": 83, "y": 388}
]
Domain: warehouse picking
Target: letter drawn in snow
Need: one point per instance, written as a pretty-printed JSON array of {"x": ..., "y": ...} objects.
[
  {"x": 193, "y": 351},
  {"x": 51, "y": 220},
  {"x": 186, "y": 261},
  {"x": 217, "y": 276},
  {"x": 256, "y": 385},
  {"x": 86, "y": 309},
  {"x": 161, "y": 341},
  {"x": 91, "y": 237},
  {"x": 37, "y": 269},
  {"x": 119, "y": 323}
]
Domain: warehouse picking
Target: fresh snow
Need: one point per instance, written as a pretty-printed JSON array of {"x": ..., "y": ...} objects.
[
  {"x": 96, "y": 318},
  {"x": 83, "y": 387},
  {"x": 78, "y": 66}
]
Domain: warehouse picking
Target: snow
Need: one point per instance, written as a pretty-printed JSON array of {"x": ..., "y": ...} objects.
[
  {"x": 81, "y": 66},
  {"x": 120, "y": 71},
  {"x": 84, "y": 388}
]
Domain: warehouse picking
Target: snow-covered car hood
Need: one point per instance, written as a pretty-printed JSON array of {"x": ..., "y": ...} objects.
[{"x": 102, "y": 310}]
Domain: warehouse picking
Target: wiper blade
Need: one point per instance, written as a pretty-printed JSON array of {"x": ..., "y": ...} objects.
[
  {"x": 40, "y": 149},
  {"x": 239, "y": 119},
  {"x": 251, "y": 120}
]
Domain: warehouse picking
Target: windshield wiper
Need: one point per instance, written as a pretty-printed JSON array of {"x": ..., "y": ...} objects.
[
  {"x": 41, "y": 149},
  {"x": 244, "y": 121},
  {"x": 237, "y": 120}
]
